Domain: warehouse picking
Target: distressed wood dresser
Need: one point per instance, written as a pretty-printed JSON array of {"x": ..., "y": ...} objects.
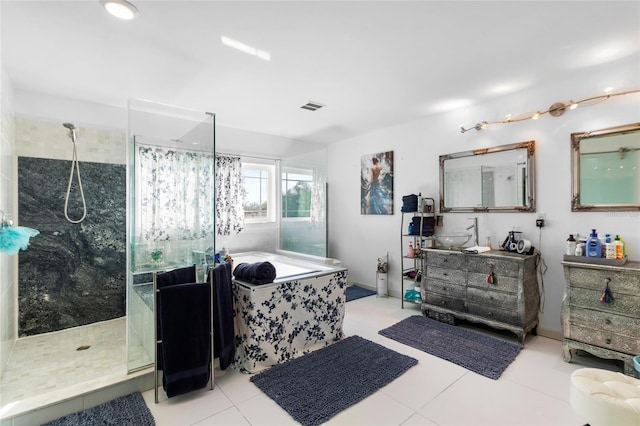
[
  {"x": 455, "y": 286},
  {"x": 606, "y": 330}
]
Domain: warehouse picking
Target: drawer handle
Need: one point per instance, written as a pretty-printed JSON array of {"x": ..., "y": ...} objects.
[
  {"x": 490, "y": 314},
  {"x": 607, "y": 321},
  {"x": 607, "y": 341},
  {"x": 444, "y": 302}
]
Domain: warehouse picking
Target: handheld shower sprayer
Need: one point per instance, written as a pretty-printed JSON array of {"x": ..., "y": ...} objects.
[
  {"x": 72, "y": 131},
  {"x": 74, "y": 165}
]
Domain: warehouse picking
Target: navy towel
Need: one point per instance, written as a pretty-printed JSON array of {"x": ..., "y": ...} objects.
[
  {"x": 184, "y": 312},
  {"x": 223, "y": 321},
  {"x": 177, "y": 276},
  {"x": 255, "y": 273}
]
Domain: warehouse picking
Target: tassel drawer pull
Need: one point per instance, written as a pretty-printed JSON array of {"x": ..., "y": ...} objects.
[
  {"x": 491, "y": 278},
  {"x": 607, "y": 297}
]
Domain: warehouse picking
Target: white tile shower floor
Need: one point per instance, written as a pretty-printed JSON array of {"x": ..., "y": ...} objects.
[
  {"x": 534, "y": 389},
  {"x": 49, "y": 367}
]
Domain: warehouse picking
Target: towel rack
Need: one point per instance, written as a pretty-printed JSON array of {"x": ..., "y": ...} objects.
[{"x": 184, "y": 275}]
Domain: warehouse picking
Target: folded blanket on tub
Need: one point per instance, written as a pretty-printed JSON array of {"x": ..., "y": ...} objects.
[{"x": 255, "y": 273}]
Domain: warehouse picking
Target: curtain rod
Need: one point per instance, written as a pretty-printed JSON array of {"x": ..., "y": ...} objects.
[
  {"x": 175, "y": 148},
  {"x": 248, "y": 156}
]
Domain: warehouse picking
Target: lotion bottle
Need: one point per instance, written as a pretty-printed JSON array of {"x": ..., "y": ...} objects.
[
  {"x": 619, "y": 247},
  {"x": 594, "y": 247}
]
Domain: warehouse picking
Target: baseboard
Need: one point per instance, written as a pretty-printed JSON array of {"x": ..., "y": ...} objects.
[{"x": 551, "y": 334}]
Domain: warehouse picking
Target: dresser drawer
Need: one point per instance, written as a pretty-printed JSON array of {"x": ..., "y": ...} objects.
[
  {"x": 494, "y": 313},
  {"x": 500, "y": 282},
  {"x": 605, "y": 321},
  {"x": 446, "y": 274},
  {"x": 623, "y": 304},
  {"x": 444, "y": 302},
  {"x": 495, "y": 299},
  {"x": 606, "y": 339},
  {"x": 622, "y": 282},
  {"x": 445, "y": 288},
  {"x": 502, "y": 267},
  {"x": 445, "y": 259}
]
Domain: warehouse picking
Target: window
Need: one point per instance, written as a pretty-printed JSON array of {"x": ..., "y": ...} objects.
[
  {"x": 259, "y": 192},
  {"x": 297, "y": 188}
]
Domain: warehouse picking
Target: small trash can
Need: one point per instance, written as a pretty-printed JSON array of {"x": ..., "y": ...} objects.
[{"x": 382, "y": 283}]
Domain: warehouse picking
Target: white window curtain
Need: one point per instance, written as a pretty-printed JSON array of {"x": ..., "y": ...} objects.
[
  {"x": 229, "y": 195},
  {"x": 174, "y": 195}
]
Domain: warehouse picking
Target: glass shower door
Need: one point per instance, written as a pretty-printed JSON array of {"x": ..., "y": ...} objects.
[{"x": 170, "y": 209}]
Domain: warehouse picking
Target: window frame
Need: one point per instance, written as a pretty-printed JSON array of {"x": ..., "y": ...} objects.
[
  {"x": 271, "y": 195},
  {"x": 300, "y": 171}
]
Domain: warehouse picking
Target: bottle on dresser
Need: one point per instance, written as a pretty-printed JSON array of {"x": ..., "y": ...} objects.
[
  {"x": 594, "y": 246},
  {"x": 571, "y": 246}
]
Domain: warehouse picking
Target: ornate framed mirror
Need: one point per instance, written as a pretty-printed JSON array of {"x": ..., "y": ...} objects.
[
  {"x": 499, "y": 178},
  {"x": 605, "y": 169}
]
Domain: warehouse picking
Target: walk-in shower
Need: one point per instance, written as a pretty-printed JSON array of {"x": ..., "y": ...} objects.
[
  {"x": 74, "y": 165},
  {"x": 70, "y": 295}
]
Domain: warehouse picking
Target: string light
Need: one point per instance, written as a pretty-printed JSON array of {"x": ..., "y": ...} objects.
[{"x": 555, "y": 110}]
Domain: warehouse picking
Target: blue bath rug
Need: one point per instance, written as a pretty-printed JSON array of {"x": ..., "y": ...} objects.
[
  {"x": 320, "y": 384},
  {"x": 129, "y": 410},
  {"x": 354, "y": 292},
  {"x": 474, "y": 351}
]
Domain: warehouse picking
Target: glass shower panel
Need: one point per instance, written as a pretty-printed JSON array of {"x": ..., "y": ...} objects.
[
  {"x": 170, "y": 208},
  {"x": 303, "y": 221}
]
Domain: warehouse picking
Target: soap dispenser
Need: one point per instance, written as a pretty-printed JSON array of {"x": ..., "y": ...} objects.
[{"x": 594, "y": 246}]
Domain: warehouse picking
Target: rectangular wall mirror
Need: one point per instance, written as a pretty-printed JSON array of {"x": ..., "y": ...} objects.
[
  {"x": 499, "y": 178},
  {"x": 605, "y": 168}
]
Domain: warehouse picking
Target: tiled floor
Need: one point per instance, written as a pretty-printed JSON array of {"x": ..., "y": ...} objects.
[
  {"x": 532, "y": 391},
  {"x": 51, "y": 362}
]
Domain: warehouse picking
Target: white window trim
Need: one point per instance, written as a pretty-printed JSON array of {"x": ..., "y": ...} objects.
[
  {"x": 300, "y": 171},
  {"x": 272, "y": 207}
]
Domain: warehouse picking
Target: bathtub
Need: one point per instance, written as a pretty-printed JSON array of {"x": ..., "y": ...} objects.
[{"x": 302, "y": 310}]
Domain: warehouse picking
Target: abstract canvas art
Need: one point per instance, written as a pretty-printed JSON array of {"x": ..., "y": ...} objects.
[{"x": 376, "y": 183}]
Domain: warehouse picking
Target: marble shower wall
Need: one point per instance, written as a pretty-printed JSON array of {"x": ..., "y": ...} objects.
[{"x": 72, "y": 274}]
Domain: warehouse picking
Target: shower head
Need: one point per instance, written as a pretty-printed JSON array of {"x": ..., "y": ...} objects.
[{"x": 72, "y": 131}]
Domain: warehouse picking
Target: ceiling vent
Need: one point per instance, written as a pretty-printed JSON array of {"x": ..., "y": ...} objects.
[{"x": 312, "y": 106}]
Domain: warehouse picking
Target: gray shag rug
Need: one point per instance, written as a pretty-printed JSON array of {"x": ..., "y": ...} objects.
[
  {"x": 355, "y": 292},
  {"x": 129, "y": 410},
  {"x": 474, "y": 351},
  {"x": 317, "y": 386}
]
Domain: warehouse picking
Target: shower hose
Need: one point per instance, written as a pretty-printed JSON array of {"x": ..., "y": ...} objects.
[{"x": 74, "y": 164}]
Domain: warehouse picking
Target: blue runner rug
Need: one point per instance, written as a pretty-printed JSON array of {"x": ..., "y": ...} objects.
[
  {"x": 317, "y": 386},
  {"x": 354, "y": 292},
  {"x": 130, "y": 410},
  {"x": 474, "y": 351}
]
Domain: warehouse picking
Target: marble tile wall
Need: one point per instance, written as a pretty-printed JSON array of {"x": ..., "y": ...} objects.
[
  {"x": 72, "y": 274},
  {"x": 51, "y": 140}
]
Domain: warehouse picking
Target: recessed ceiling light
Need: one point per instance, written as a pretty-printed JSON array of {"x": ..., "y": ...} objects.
[{"x": 120, "y": 8}]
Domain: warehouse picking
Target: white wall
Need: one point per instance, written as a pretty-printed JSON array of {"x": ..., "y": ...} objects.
[{"x": 358, "y": 240}]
